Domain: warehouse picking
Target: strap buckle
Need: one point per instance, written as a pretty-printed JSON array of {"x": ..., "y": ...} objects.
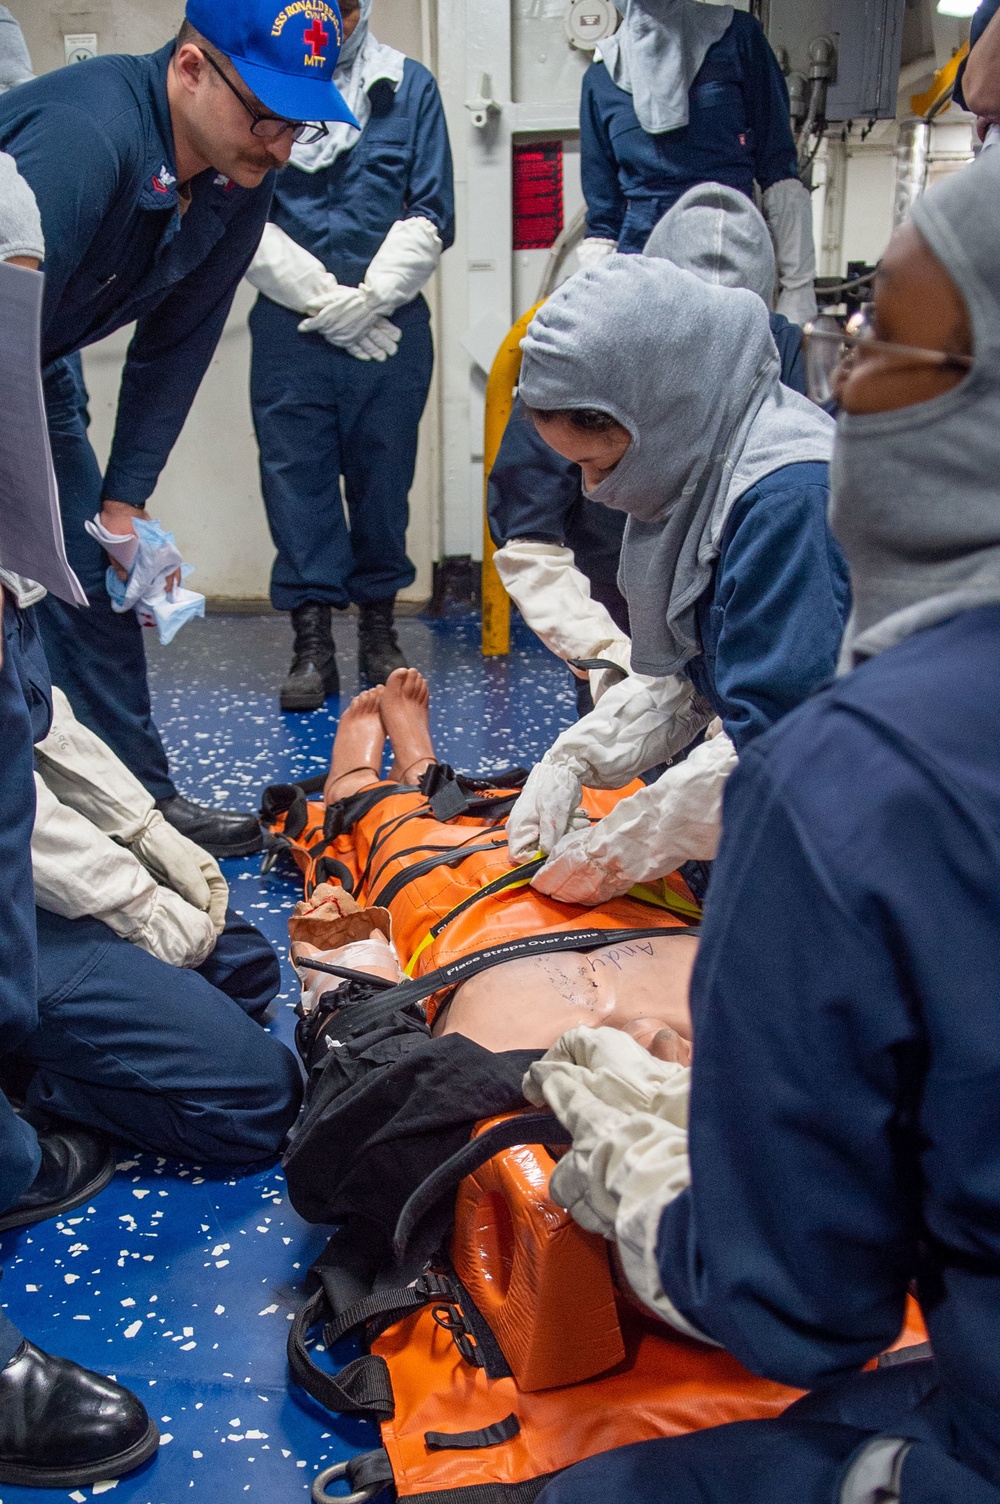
[{"x": 450, "y": 1319}]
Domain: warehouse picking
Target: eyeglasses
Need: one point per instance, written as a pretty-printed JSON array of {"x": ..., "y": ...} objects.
[
  {"x": 830, "y": 348},
  {"x": 271, "y": 127}
]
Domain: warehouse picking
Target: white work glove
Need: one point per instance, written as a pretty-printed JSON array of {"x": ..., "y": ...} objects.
[
  {"x": 344, "y": 317},
  {"x": 398, "y": 270},
  {"x": 676, "y": 819},
  {"x": 85, "y": 775},
  {"x": 287, "y": 273},
  {"x": 380, "y": 341},
  {"x": 594, "y": 250},
  {"x": 80, "y": 871},
  {"x": 554, "y": 598},
  {"x": 628, "y": 1114},
  {"x": 402, "y": 264},
  {"x": 639, "y": 723},
  {"x": 788, "y": 211}
]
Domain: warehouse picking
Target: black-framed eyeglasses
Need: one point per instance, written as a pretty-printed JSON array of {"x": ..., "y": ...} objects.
[
  {"x": 829, "y": 348},
  {"x": 272, "y": 127}
]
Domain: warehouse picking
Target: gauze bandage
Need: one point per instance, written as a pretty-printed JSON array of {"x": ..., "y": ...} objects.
[{"x": 150, "y": 555}]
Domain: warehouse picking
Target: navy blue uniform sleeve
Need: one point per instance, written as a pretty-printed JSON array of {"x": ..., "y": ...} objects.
[
  {"x": 431, "y": 190},
  {"x": 606, "y": 203},
  {"x": 532, "y": 490},
  {"x": 766, "y": 95},
  {"x": 791, "y": 352},
  {"x": 170, "y": 353},
  {"x": 74, "y": 172},
  {"x": 794, "y": 1245},
  {"x": 984, "y": 15},
  {"x": 782, "y": 596}
]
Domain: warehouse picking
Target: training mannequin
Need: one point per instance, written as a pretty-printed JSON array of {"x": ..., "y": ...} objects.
[{"x": 639, "y": 987}]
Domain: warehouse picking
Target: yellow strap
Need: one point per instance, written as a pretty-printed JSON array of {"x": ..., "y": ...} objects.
[
  {"x": 662, "y": 897},
  {"x": 521, "y": 883}
]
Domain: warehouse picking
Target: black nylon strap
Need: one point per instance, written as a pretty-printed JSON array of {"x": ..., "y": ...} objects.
[
  {"x": 431, "y": 847},
  {"x": 595, "y": 665},
  {"x": 468, "y": 1441},
  {"x": 370, "y": 1015},
  {"x": 347, "y": 974},
  {"x": 362, "y": 1388},
  {"x": 394, "y": 1300},
  {"x": 918, "y": 1353},
  {"x": 506, "y": 880},
  {"x": 328, "y": 869},
  {"x": 527, "y": 1128},
  {"x": 344, "y": 814},
  {"x": 369, "y": 1468},
  {"x": 402, "y": 880}
]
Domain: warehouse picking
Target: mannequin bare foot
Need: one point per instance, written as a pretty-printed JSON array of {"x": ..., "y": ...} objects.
[
  {"x": 404, "y": 715},
  {"x": 357, "y": 747}
]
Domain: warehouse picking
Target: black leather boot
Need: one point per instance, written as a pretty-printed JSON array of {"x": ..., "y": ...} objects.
[
  {"x": 313, "y": 674},
  {"x": 378, "y": 646},
  {"x": 62, "y": 1426},
  {"x": 220, "y": 832},
  {"x": 76, "y": 1164}
]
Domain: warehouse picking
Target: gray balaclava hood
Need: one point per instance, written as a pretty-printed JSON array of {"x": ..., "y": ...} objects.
[
  {"x": 363, "y": 61},
  {"x": 691, "y": 371},
  {"x": 656, "y": 52},
  {"x": 916, "y": 504},
  {"x": 15, "y": 62},
  {"x": 717, "y": 233}
]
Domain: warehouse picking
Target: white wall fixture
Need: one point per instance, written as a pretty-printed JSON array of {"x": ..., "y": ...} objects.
[
  {"x": 957, "y": 7},
  {"x": 482, "y": 106},
  {"x": 587, "y": 22},
  {"x": 80, "y": 45}
]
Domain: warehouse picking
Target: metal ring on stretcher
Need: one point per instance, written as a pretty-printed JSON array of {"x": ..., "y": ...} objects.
[{"x": 333, "y": 1474}]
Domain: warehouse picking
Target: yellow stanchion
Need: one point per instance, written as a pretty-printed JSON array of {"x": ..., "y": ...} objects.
[
  {"x": 499, "y": 401},
  {"x": 938, "y": 96}
]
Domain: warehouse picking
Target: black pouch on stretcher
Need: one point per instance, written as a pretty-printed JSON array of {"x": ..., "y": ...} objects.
[{"x": 498, "y": 1347}]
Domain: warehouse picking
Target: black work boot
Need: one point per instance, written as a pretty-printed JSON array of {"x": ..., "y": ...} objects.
[
  {"x": 220, "y": 832},
  {"x": 378, "y": 646},
  {"x": 62, "y": 1426},
  {"x": 313, "y": 674},
  {"x": 76, "y": 1164}
]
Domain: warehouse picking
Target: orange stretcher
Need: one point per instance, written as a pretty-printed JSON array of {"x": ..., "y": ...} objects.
[
  {"x": 448, "y": 884},
  {"x": 584, "y": 1369}
]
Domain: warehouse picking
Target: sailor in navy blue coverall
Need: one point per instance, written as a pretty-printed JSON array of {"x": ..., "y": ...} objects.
[
  {"x": 738, "y": 132},
  {"x": 857, "y": 834},
  {"x": 320, "y": 411},
  {"x": 94, "y": 142}
]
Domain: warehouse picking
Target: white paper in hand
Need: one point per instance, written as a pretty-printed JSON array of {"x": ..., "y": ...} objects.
[{"x": 31, "y": 534}]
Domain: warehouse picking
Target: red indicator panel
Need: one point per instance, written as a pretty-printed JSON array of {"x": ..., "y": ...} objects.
[{"x": 538, "y": 195}]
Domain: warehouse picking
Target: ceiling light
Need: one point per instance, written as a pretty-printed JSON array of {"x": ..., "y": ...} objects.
[{"x": 957, "y": 7}]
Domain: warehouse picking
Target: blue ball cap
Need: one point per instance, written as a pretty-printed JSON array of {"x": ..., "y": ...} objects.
[{"x": 284, "y": 50}]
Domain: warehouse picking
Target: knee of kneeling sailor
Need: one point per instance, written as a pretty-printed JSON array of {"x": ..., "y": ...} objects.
[{"x": 248, "y": 1122}]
